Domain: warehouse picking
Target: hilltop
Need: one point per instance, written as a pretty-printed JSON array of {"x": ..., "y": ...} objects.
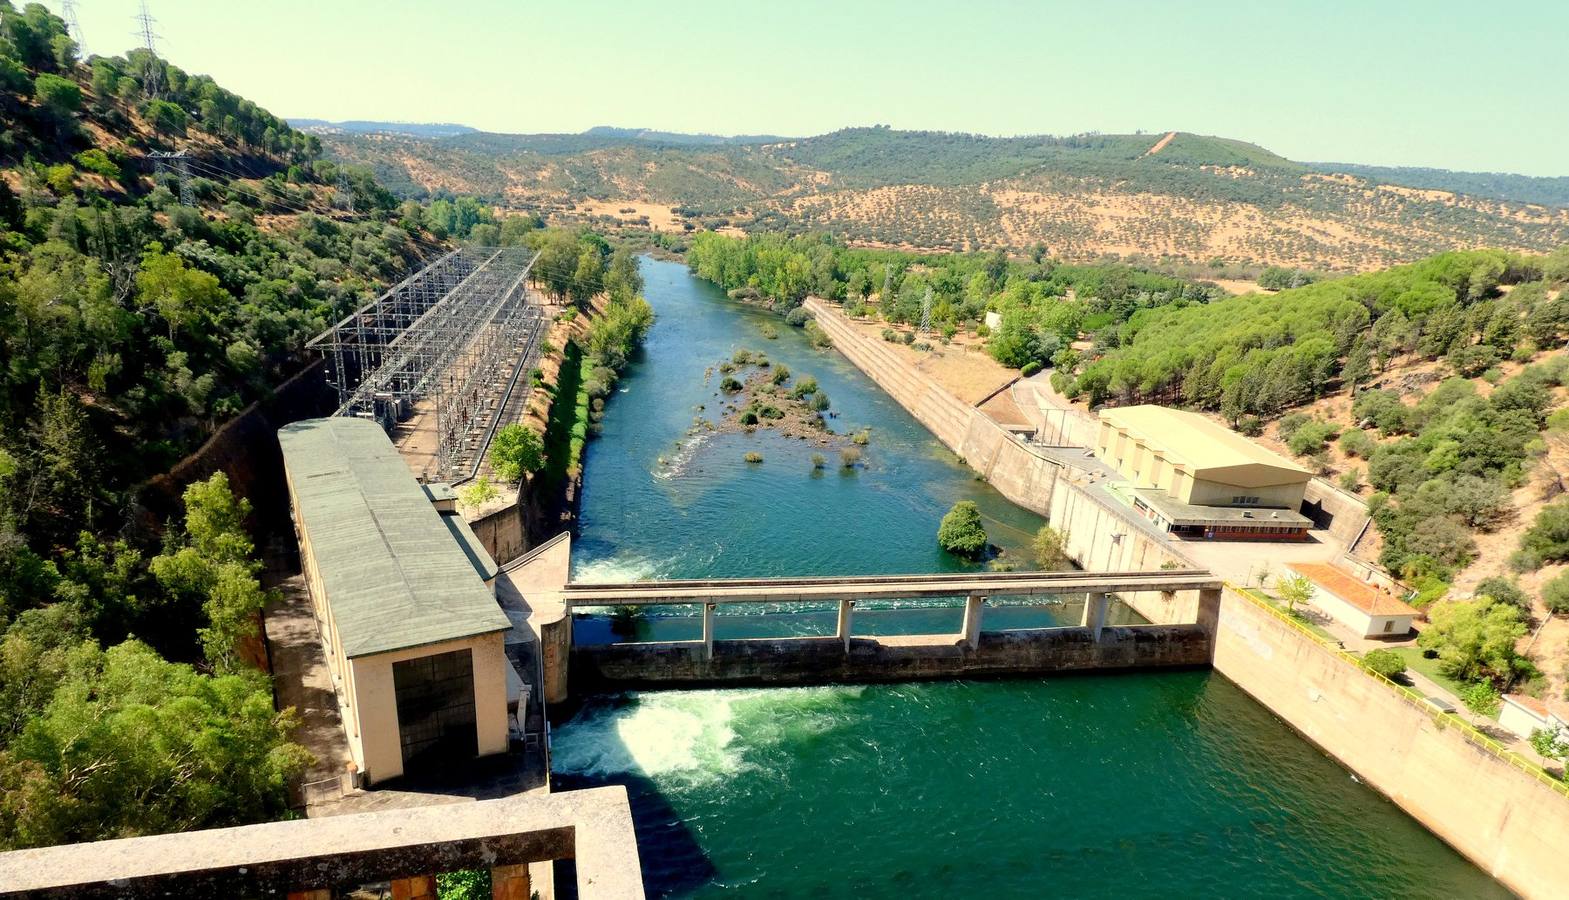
[{"x": 1182, "y": 196}]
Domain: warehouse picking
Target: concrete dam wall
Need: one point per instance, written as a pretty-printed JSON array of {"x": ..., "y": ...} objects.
[{"x": 1503, "y": 818}]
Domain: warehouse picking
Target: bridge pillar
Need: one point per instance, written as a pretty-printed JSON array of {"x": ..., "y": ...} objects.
[
  {"x": 419, "y": 887},
  {"x": 971, "y": 635},
  {"x": 846, "y": 607},
  {"x": 708, "y": 630},
  {"x": 1208, "y": 617},
  {"x": 509, "y": 883},
  {"x": 1095, "y": 605}
]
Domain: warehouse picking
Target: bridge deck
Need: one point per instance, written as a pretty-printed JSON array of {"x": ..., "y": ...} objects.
[{"x": 874, "y": 587}]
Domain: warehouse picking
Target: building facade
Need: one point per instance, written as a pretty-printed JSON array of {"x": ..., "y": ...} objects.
[
  {"x": 1368, "y": 610},
  {"x": 1196, "y": 479},
  {"x": 404, "y": 602}
]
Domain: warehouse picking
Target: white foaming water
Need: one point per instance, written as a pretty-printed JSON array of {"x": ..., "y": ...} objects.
[
  {"x": 691, "y": 736},
  {"x": 676, "y": 464},
  {"x": 615, "y": 570}
]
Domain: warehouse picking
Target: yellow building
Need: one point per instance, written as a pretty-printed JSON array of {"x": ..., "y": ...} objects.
[
  {"x": 404, "y": 601},
  {"x": 1198, "y": 479}
]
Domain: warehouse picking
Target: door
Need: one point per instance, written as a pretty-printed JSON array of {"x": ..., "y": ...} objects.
[{"x": 435, "y": 696}]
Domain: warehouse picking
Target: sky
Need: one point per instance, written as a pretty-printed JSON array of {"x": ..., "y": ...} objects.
[{"x": 1456, "y": 85}]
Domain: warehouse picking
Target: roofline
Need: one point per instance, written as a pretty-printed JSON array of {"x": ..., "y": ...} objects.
[{"x": 446, "y": 640}]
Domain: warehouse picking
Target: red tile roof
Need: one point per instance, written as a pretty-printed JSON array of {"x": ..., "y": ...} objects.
[{"x": 1363, "y": 596}]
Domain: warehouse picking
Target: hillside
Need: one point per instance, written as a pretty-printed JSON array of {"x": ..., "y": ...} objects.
[
  {"x": 1183, "y": 196},
  {"x": 134, "y": 321}
]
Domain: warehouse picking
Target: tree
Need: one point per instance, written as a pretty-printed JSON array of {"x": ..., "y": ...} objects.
[
  {"x": 166, "y": 117},
  {"x": 1475, "y": 639},
  {"x": 1294, "y": 589},
  {"x": 1550, "y": 743},
  {"x": 59, "y": 97},
  {"x": 1387, "y": 663},
  {"x": 1481, "y": 698},
  {"x": 961, "y": 531},
  {"x": 1547, "y": 540},
  {"x": 516, "y": 450},
  {"x": 1051, "y": 549},
  {"x": 183, "y": 296},
  {"x": 194, "y": 751}
]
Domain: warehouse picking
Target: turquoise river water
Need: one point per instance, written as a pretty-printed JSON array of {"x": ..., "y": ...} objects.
[{"x": 1172, "y": 784}]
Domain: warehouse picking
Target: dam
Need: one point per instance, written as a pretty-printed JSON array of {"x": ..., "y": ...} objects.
[{"x": 1076, "y": 786}]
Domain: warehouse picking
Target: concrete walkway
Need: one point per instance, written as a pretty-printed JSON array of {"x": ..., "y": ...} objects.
[{"x": 303, "y": 681}]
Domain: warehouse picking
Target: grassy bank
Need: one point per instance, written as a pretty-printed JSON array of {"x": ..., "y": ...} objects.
[{"x": 566, "y": 429}]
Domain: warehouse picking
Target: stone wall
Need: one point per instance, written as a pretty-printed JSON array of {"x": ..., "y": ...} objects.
[
  {"x": 1506, "y": 821},
  {"x": 824, "y": 660}
]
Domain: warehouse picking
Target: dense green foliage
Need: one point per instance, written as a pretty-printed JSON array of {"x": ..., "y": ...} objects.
[
  {"x": 961, "y": 531},
  {"x": 516, "y": 450},
  {"x": 83, "y": 728},
  {"x": 1038, "y": 321},
  {"x": 130, "y": 327},
  {"x": 1387, "y": 663},
  {"x": 1476, "y": 640}
]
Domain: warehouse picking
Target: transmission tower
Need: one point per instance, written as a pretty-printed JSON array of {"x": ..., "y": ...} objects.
[
  {"x": 152, "y": 76},
  {"x": 179, "y": 164},
  {"x": 68, "y": 13},
  {"x": 344, "y": 192},
  {"x": 882, "y": 296},
  {"x": 926, "y": 311}
]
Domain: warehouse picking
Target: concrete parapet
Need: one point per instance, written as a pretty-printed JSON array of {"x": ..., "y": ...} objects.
[{"x": 277, "y": 859}]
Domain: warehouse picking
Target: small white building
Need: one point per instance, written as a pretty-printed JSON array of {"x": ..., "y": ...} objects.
[
  {"x": 1523, "y": 715},
  {"x": 1367, "y": 610}
]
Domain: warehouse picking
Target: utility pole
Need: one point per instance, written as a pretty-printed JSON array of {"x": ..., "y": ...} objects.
[
  {"x": 152, "y": 76},
  {"x": 68, "y": 14},
  {"x": 180, "y": 165}
]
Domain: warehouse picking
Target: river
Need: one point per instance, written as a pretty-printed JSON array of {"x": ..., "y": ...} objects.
[{"x": 1099, "y": 786}]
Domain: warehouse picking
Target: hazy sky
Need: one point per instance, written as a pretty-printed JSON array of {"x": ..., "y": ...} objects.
[{"x": 1449, "y": 83}]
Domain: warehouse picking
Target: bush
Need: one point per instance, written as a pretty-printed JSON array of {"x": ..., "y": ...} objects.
[
  {"x": 749, "y": 417},
  {"x": 1250, "y": 425},
  {"x": 803, "y": 387},
  {"x": 781, "y": 374},
  {"x": 752, "y": 456},
  {"x": 797, "y": 317},
  {"x": 819, "y": 461},
  {"x": 907, "y": 337},
  {"x": 890, "y": 335},
  {"x": 1357, "y": 442},
  {"x": 769, "y": 332},
  {"x": 1029, "y": 368},
  {"x": 820, "y": 402},
  {"x": 1351, "y": 480},
  {"x": 849, "y": 457},
  {"x": 862, "y": 437},
  {"x": 1309, "y": 437},
  {"x": 1555, "y": 594},
  {"x": 1051, "y": 549},
  {"x": 478, "y": 493},
  {"x": 961, "y": 531},
  {"x": 1547, "y": 540},
  {"x": 1387, "y": 663},
  {"x": 730, "y": 385},
  {"x": 1506, "y": 591}
]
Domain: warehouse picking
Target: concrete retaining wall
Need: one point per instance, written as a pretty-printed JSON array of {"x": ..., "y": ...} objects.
[
  {"x": 824, "y": 660},
  {"x": 1017, "y": 472},
  {"x": 1507, "y": 822},
  {"x": 1341, "y": 514}
]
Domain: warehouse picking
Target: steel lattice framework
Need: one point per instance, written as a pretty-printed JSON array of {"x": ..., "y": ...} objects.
[{"x": 456, "y": 332}]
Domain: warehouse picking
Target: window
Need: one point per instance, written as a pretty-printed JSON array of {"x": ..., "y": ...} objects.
[
  {"x": 1243, "y": 500},
  {"x": 1389, "y": 625}
]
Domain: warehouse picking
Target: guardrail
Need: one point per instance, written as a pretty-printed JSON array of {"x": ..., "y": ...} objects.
[{"x": 1410, "y": 695}]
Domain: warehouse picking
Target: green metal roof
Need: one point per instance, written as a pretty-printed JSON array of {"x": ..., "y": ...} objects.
[{"x": 393, "y": 574}]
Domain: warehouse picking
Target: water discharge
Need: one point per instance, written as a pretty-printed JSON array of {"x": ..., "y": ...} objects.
[{"x": 1173, "y": 784}]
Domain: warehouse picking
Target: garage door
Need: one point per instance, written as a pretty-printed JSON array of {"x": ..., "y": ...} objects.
[{"x": 435, "y": 710}]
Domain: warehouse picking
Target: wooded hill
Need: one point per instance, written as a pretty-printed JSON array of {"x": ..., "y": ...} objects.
[
  {"x": 131, "y": 325},
  {"x": 1191, "y": 198}
]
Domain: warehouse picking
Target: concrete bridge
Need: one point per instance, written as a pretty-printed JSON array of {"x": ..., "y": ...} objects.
[{"x": 1091, "y": 644}]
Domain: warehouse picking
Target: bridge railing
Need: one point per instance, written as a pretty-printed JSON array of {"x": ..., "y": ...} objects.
[{"x": 973, "y": 590}]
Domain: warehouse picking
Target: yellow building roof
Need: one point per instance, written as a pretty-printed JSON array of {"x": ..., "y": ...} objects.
[{"x": 1205, "y": 449}]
